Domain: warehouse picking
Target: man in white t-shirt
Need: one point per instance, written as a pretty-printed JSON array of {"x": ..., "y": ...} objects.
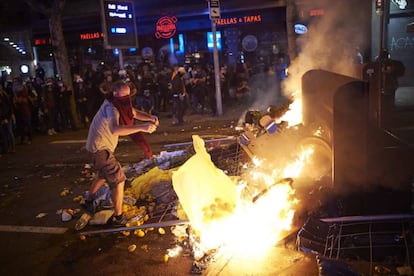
[{"x": 102, "y": 141}]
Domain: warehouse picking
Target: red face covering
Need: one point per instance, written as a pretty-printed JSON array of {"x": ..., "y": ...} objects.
[{"x": 124, "y": 106}]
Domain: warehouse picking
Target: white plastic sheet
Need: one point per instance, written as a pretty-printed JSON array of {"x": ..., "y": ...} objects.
[{"x": 205, "y": 192}]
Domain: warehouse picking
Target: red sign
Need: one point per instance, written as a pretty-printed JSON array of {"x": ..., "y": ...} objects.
[
  {"x": 40, "y": 41},
  {"x": 165, "y": 27},
  {"x": 316, "y": 12},
  {"x": 88, "y": 36}
]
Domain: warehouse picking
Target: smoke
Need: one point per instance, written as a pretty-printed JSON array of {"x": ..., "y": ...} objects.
[
  {"x": 331, "y": 42},
  {"x": 263, "y": 92}
]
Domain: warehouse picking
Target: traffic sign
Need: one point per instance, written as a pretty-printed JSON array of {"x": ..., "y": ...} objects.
[{"x": 214, "y": 7}]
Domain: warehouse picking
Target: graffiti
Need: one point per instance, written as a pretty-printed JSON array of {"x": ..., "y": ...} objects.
[{"x": 402, "y": 43}]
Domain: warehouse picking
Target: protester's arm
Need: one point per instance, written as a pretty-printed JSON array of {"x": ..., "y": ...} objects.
[
  {"x": 145, "y": 117},
  {"x": 124, "y": 130},
  {"x": 127, "y": 130}
]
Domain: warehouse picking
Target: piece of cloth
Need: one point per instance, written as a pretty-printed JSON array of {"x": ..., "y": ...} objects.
[
  {"x": 124, "y": 107},
  {"x": 139, "y": 139},
  {"x": 126, "y": 117}
]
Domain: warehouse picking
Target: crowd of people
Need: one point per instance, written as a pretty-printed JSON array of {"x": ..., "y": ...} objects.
[{"x": 42, "y": 105}]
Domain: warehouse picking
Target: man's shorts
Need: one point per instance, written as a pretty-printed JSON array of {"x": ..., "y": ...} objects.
[{"x": 108, "y": 167}]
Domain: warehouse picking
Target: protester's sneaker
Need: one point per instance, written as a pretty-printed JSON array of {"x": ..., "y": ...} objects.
[
  {"x": 88, "y": 206},
  {"x": 119, "y": 221}
]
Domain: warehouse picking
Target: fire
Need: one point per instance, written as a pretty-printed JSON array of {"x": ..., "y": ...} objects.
[
  {"x": 241, "y": 218},
  {"x": 246, "y": 226},
  {"x": 294, "y": 115},
  {"x": 294, "y": 169}
]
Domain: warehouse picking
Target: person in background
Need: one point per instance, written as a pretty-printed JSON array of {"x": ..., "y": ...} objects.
[
  {"x": 145, "y": 101},
  {"x": 149, "y": 84},
  {"x": 34, "y": 100},
  {"x": 63, "y": 107},
  {"x": 281, "y": 73},
  {"x": 23, "y": 112},
  {"x": 162, "y": 80},
  {"x": 103, "y": 136},
  {"x": 211, "y": 90},
  {"x": 7, "y": 140},
  {"x": 40, "y": 71},
  {"x": 81, "y": 98},
  {"x": 106, "y": 86},
  {"x": 198, "y": 90},
  {"x": 179, "y": 94}
]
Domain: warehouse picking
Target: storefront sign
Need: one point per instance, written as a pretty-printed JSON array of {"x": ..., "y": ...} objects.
[
  {"x": 239, "y": 20},
  {"x": 166, "y": 27},
  {"x": 87, "y": 36}
]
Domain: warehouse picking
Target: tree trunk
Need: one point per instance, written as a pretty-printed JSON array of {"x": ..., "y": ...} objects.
[
  {"x": 291, "y": 36},
  {"x": 61, "y": 54}
]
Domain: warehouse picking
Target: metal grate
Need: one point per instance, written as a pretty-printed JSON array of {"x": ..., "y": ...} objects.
[{"x": 383, "y": 239}]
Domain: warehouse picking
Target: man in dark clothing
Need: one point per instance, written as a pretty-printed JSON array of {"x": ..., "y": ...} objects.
[
  {"x": 198, "y": 90},
  {"x": 179, "y": 95},
  {"x": 162, "y": 80}
]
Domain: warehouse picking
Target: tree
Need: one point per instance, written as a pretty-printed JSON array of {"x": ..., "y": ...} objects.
[
  {"x": 53, "y": 10},
  {"x": 60, "y": 52}
]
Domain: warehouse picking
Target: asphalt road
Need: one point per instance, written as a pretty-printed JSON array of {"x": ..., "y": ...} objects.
[
  {"x": 33, "y": 184},
  {"x": 33, "y": 179}
]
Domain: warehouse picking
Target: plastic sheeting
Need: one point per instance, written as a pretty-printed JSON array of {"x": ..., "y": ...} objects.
[
  {"x": 143, "y": 184},
  {"x": 204, "y": 191}
]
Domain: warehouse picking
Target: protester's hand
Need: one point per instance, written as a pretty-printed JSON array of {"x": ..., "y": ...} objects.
[
  {"x": 155, "y": 120},
  {"x": 150, "y": 128}
]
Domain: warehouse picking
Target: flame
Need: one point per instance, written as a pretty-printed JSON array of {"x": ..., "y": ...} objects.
[
  {"x": 294, "y": 169},
  {"x": 294, "y": 115},
  {"x": 251, "y": 227}
]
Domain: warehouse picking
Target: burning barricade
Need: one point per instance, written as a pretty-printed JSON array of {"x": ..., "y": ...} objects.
[
  {"x": 217, "y": 209},
  {"x": 223, "y": 199}
]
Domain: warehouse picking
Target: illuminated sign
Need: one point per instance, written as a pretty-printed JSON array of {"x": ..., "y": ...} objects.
[
  {"x": 316, "y": 12},
  {"x": 42, "y": 41},
  {"x": 87, "y": 36},
  {"x": 239, "y": 20},
  {"x": 119, "y": 27},
  {"x": 210, "y": 40},
  {"x": 166, "y": 27},
  {"x": 300, "y": 29}
]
